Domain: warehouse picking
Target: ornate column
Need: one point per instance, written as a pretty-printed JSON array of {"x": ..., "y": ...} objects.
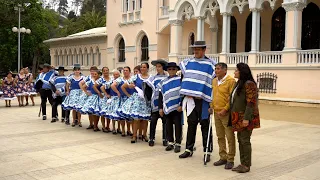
[
  {"x": 214, "y": 40},
  {"x": 293, "y": 25},
  {"x": 226, "y": 32},
  {"x": 255, "y": 35},
  {"x": 175, "y": 37},
  {"x": 200, "y": 28}
]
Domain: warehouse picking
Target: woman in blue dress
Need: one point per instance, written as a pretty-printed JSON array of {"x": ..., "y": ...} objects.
[
  {"x": 109, "y": 111},
  {"x": 8, "y": 84},
  {"x": 123, "y": 97},
  {"x": 91, "y": 105},
  {"x": 136, "y": 107},
  {"x": 73, "y": 93},
  {"x": 104, "y": 97}
]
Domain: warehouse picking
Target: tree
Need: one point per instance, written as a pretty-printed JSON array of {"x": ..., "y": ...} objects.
[
  {"x": 72, "y": 15},
  {"x": 77, "y": 4},
  {"x": 94, "y": 5},
  {"x": 63, "y": 7}
]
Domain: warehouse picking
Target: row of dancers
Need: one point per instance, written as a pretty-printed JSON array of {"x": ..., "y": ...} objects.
[
  {"x": 132, "y": 101},
  {"x": 19, "y": 87}
]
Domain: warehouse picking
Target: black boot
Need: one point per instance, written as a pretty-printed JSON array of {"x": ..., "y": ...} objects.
[
  {"x": 186, "y": 154},
  {"x": 170, "y": 147},
  {"x": 165, "y": 143},
  {"x": 151, "y": 142},
  {"x": 44, "y": 117},
  {"x": 53, "y": 120},
  {"x": 177, "y": 148}
]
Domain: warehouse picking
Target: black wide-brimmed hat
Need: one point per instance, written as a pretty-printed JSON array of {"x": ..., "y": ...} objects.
[
  {"x": 76, "y": 66},
  {"x": 46, "y": 65},
  {"x": 159, "y": 61},
  {"x": 171, "y": 64},
  {"x": 199, "y": 44},
  {"x": 61, "y": 68}
]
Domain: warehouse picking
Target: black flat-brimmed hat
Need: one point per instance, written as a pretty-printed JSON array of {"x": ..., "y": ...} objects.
[
  {"x": 76, "y": 66},
  {"x": 61, "y": 68},
  {"x": 171, "y": 64},
  {"x": 199, "y": 44},
  {"x": 159, "y": 61}
]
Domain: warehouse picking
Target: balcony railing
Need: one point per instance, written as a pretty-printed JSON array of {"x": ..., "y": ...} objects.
[
  {"x": 269, "y": 58},
  {"x": 309, "y": 57},
  {"x": 236, "y": 58}
]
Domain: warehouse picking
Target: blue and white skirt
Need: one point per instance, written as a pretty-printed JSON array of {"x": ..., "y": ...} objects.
[
  {"x": 82, "y": 100},
  {"x": 72, "y": 100},
  {"x": 119, "y": 112},
  {"x": 135, "y": 108},
  {"x": 91, "y": 105},
  {"x": 103, "y": 106},
  {"x": 112, "y": 106}
]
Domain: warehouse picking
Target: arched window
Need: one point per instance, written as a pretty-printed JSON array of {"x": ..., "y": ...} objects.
[
  {"x": 310, "y": 38},
  {"x": 144, "y": 48},
  {"x": 191, "y": 42},
  {"x": 249, "y": 33},
  {"x": 122, "y": 52},
  {"x": 233, "y": 35},
  {"x": 278, "y": 34}
]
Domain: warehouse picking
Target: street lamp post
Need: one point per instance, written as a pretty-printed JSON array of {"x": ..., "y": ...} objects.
[{"x": 19, "y": 30}]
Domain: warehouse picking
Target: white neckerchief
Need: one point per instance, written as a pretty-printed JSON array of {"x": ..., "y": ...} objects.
[{"x": 222, "y": 80}]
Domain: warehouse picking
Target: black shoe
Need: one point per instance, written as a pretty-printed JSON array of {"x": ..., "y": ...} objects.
[
  {"x": 44, "y": 117},
  {"x": 165, "y": 143},
  {"x": 208, "y": 158},
  {"x": 114, "y": 132},
  {"x": 90, "y": 127},
  {"x": 62, "y": 120},
  {"x": 129, "y": 133},
  {"x": 118, "y": 131},
  {"x": 229, "y": 165},
  {"x": 53, "y": 120},
  {"x": 186, "y": 154},
  {"x": 220, "y": 162},
  {"x": 170, "y": 147},
  {"x": 177, "y": 148},
  {"x": 151, "y": 143},
  {"x": 133, "y": 140},
  {"x": 67, "y": 122}
]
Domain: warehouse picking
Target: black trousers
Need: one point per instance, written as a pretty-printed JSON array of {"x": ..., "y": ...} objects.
[
  {"x": 58, "y": 101},
  {"x": 193, "y": 119},
  {"x": 174, "y": 118},
  {"x": 45, "y": 94},
  {"x": 153, "y": 125}
]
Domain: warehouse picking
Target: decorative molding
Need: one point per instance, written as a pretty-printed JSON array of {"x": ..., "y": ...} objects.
[
  {"x": 153, "y": 47},
  {"x": 296, "y": 6},
  {"x": 110, "y": 50},
  {"x": 201, "y": 17},
  {"x": 130, "y": 48},
  {"x": 188, "y": 12},
  {"x": 226, "y": 13},
  {"x": 176, "y": 22},
  {"x": 212, "y": 7},
  {"x": 240, "y": 4}
]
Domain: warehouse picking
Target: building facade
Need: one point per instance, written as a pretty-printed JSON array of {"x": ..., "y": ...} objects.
[{"x": 279, "y": 39}]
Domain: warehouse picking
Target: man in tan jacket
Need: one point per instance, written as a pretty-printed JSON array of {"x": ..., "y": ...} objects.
[{"x": 222, "y": 87}]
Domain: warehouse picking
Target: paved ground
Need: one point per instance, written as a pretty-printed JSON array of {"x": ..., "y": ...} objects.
[{"x": 34, "y": 149}]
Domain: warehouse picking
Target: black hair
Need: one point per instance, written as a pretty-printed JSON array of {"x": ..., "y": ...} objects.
[
  {"x": 137, "y": 68},
  {"x": 245, "y": 75},
  {"x": 222, "y": 65},
  {"x": 104, "y": 68},
  {"x": 9, "y": 72},
  {"x": 128, "y": 68},
  {"x": 147, "y": 64},
  {"x": 93, "y": 68}
]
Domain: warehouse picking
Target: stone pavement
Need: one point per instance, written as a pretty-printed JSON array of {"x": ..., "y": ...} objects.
[{"x": 34, "y": 149}]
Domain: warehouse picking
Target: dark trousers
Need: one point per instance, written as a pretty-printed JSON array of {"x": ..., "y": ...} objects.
[
  {"x": 58, "y": 101},
  {"x": 193, "y": 119},
  {"x": 174, "y": 118},
  {"x": 153, "y": 125},
  {"x": 245, "y": 146},
  {"x": 45, "y": 94}
]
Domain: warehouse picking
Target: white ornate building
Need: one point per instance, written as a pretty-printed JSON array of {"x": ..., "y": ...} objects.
[{"x": 279, "y": 39}]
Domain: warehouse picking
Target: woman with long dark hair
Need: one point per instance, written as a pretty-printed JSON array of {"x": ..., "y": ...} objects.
[{"x": 244, "y": 113}]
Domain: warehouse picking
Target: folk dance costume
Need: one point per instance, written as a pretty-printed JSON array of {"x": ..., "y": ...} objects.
[
  {"x": 115, "y": 103},
  {"x": 136, "y": 107},
  {"x": 104, "y": 101},
  {"x": 8, "y": 90},
  {"x": 91, "y": 103},
  {"x": 73, "y": 99},
  {"x": 152, "y": 82},
  {"x": 170, "y": 100},
  {"x": 22, "y": 88},
  {"x": 59, "y": 95},
  {"x": 197, "y": 87},
  {"x": 43, "y": 86},
  {"x": 30, "y": 86}
]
